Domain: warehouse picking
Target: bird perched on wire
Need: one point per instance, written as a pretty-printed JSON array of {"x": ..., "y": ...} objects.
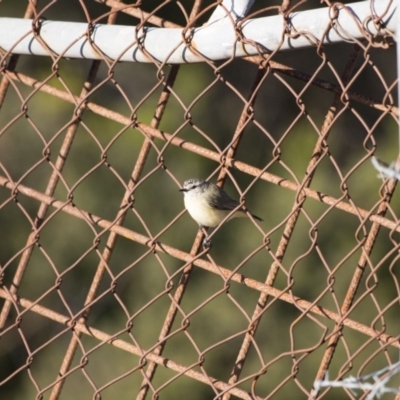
[{"x": 208, "y": 204}]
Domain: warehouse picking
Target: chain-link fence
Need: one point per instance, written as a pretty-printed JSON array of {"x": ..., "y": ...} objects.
[{"x": 106, "y": 289}]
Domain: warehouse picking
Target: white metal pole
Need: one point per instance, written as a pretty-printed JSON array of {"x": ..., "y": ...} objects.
[{"x": 213, "y": 41}]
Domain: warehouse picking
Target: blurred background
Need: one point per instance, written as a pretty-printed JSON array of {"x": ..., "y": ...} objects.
[{"x": 330, "y": 255}]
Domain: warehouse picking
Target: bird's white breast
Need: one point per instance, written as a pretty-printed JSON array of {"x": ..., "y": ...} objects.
[{"x": 201, "y": 212}]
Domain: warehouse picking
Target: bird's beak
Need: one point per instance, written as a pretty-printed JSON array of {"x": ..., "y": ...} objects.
[{"x": 182, "y": 190}]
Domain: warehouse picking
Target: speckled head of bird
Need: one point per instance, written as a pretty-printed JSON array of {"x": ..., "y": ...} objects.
[{"x": 191, "y": 184}]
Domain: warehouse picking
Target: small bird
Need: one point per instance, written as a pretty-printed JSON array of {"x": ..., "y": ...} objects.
[{"x": 208, "y": 204}]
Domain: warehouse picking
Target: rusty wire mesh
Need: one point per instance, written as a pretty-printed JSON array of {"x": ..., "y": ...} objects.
[{"x": 106, "y": 290}]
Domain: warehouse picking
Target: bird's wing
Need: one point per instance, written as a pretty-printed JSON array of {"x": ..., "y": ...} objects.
[{"x": 223, "y": 202}]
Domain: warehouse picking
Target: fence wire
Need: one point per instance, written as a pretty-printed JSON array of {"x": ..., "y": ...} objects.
[{"x": 106, "y": 289}]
